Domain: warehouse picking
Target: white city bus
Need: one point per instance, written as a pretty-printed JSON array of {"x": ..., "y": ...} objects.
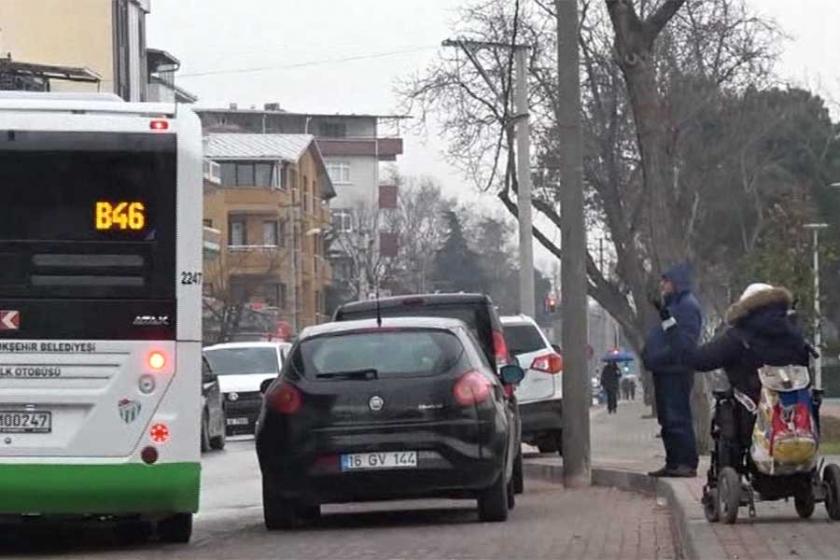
[{"x": 100, "y": 309}]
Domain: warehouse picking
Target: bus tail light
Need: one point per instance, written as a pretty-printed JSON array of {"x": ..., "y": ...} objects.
[
  {"x": 471, "y": 389},
  {"x": 157, "y": 360},
  {"x": 149, "y": 455},
  {"x": 159, "y": 125},
  {"x": 285, "y": 399}
]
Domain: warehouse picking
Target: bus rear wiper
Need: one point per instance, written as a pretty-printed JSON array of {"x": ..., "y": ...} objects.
[{"x": 368, "y": 373}]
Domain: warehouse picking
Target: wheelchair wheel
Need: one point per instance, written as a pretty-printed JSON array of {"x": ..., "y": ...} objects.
[
  {"x": 805, "y": 504},
  {"x": 710, "y": 505},
  {"x": 729, "y": 494},
  {"x": 831, "y": 479}
]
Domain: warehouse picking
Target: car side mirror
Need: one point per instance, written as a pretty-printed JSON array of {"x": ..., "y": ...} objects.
[
  {"x": 207, "y": 375},
  {"x": 265, "y": 385},
  {"x": 557, "y": 348},
  {"x": 512, "y": 374}
]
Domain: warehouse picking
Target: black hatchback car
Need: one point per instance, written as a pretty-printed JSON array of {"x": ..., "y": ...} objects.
[
  {"x": 480, "y": 315},
  {"x": 363, "y": 412}
]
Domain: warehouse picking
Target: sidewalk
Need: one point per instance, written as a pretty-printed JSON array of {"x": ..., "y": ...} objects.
[{"x": 624, "y": 447}]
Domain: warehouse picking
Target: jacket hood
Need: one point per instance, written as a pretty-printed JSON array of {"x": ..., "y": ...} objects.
[
  {"x": 681, "y": 276},
  {"x": 774, "y": 297}
]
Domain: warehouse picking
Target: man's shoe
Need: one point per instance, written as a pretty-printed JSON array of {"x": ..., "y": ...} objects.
[
  {"x": 661, "y": 472},
  {"x": 680, "y": 471}
]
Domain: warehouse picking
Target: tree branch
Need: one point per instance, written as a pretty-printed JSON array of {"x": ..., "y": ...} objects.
[{"x": 660, "y": 18}]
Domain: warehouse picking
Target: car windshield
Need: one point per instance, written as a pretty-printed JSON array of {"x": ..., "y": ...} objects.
[
  {"x": 403, "y": 353},
  {"x": 245, "y": 360},
  {"x": 523, "y": 339}
]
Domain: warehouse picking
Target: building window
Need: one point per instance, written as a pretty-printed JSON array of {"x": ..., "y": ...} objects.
[
  {"x": 388, "y": 197},
  {"x": 332, "y": 130},
  {"x": 208, "y": 223},
  {"x": 282, "y": 295},
  {"x": 237, "y": 232},
  {"x": 270, "y": 233},
  {"x": 281, "y": 233},
  {"x": 339, "y": 172},
  {"x": 122, "y": 50},
  {"x": 249, "y": 174},
  {"x": 342, "y": 221}
]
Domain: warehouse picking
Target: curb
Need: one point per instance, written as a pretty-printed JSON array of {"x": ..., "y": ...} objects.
[{"x": 696, "y": 538}]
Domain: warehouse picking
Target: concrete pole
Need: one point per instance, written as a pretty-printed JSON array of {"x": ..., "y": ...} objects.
[
  {"x": 576, "y": 445},
  {"x": 817, "y": 318},
  {"x": 523, "y": 168}
]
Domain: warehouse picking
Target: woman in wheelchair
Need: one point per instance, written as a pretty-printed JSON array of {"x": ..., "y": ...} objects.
[{"x": 761, "y": 335}]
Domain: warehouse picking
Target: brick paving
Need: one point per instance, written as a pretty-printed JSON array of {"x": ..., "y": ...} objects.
[{"x": 627, "y": 441}]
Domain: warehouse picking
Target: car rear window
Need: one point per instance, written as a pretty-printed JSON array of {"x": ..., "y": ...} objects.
[
  {"x": 402, "y": 353},
  {"x": 523, "y": 339},
  {"x": 238, "y": 361}
]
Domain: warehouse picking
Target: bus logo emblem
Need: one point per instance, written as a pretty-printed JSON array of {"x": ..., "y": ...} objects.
[
  {"x": 376, "y": 403},
  {"x": 129, "y": 410},
  {"x": 9, "y": 320}
]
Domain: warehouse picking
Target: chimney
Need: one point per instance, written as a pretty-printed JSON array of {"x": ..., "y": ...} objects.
[
  {"x": 234, "y": 106},
  {"x": 272, "y": 107}
]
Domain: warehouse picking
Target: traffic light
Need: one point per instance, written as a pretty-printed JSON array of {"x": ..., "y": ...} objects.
[{"x": 551, "y": 303}]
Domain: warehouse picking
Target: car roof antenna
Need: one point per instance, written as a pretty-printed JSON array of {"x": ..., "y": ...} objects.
[{"x": 378, "y": 308}]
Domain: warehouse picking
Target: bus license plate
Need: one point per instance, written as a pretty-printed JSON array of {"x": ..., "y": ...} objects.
[
  {"x": 237, "y": 421},
  {"x": 382, "y": 460},
  {"x": 22, "y": 422}
]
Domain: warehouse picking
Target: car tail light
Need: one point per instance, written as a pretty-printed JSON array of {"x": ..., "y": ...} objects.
[
  {"x": 285, "y": 399},
  {"x": 500, "y": 348},
  {"x": 157, "y": 360},
  {"x": 471, "y": 389},
  {"x": 549, "y": 363}
]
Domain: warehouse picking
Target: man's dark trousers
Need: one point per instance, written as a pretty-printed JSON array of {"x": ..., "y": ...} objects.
[{"x": 672, "y": 391}]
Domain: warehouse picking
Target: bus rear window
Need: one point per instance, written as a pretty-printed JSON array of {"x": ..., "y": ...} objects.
[{"x": 87, "y": 215}]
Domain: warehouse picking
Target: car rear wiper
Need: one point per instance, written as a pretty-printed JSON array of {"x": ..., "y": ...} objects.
[{"x": 368, "y": 373}]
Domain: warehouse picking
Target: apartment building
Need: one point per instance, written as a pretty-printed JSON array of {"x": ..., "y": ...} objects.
[
  {"x": 107, "y": 38},
  {"x": 270, "y": 204}
]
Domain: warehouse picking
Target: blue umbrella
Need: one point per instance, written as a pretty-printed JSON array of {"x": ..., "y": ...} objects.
[{"x": 618, "y": 356}]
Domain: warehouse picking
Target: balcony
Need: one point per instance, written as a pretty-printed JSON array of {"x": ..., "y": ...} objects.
[
  {"x": 259, "y": 260},
  {"x": 387, "y": 149}
]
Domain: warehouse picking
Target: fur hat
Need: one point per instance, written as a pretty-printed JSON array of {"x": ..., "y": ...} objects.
[{"x": 755, "y": 297}]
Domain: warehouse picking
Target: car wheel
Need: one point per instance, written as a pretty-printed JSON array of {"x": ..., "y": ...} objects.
[
  {"x": 710, "y": 505},
  {"x": 133, "y": 532},
  {"x": 558, "y": 441},
  {"x": 511, "y": 496},
  {"x": 518, "y": 475},
  {"x": 176, "y": 529},
  {"x": 281, "y": 514},
  {"x": 493, "y": 501},
  {"x": 549, "y": 443},
  {"x": 205, "y": 432}
]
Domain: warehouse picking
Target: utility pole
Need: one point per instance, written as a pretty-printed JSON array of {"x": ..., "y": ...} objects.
[
  {"x": 523, "y": 148},
  {"x": 576, "y": 446},
  {"x": 817, "y": 318}
]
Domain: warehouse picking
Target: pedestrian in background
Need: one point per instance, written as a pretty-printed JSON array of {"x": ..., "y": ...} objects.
[
  {"x": 609, "y": 381},
  {"x": 673, "y": 378}
]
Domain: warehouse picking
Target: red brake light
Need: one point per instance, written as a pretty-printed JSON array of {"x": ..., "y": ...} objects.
[
  {"x": 549, "y": 363},
  {"x": 500, "y": 348},
  {"x": 159, "y": 125},
  {"x": 286, "y": 399},
  {"x": 471, "y": 389},
  {"x": 157, "y": 360}
]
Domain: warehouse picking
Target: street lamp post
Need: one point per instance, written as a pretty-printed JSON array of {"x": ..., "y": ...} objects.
[{"x": 816, "y": 228}]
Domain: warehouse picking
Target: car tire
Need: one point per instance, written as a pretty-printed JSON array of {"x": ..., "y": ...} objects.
[
  {"x": 493, "y": 501},
  {"x": 831, "y": 480},
  {"x": 511, "y": 496},
  {"x": 279, "y": 513},
  {"x": 558, "y": 441},
  {"x": 205, "y": 432},
  {"x": 550, "y": 443},
  {"x": 518, "y": 475},
  {"x": 133, "y": 532},
  {"x": 176, "y": 529}
]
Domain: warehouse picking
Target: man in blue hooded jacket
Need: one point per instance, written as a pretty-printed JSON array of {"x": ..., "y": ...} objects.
[{"x": 673, "y": 381}]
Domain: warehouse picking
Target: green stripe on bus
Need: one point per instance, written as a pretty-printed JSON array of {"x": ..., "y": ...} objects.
[{"x": 99, "y": 489}]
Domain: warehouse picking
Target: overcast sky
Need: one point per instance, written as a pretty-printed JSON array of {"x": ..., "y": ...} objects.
[{"x": 344, "y": 56}]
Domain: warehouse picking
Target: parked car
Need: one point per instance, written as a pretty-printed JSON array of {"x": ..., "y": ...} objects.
[
  {"x": 351, "y": 420},
  {"x": 541, "y": 393},
  {"x": 212, "y": 411},
  {"x": 479, "y": 314},
  {"x": 241, "y": 368}
]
